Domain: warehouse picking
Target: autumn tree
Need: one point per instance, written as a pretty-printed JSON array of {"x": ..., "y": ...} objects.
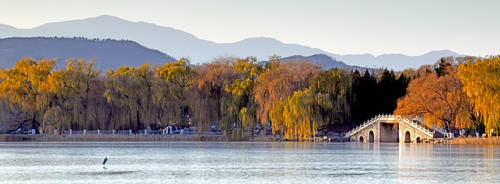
[
  {"x": 207, "y": 94},
  {"x": 239, "y": 108},
  {"x": 279, "y": 81},
  {"x": 75, "y": 96},
  {"x": 336, "y": 86},
  {"x": 21, "y": 86},
  {"x": 123, "y": 94},
  {"x": 299, "y": 115},
  {"x": 170, "y": 97},
  {"x": 438, "y": 98},
  {"x": 481, "y": 83},
  {"x": 145, "y": 78}
]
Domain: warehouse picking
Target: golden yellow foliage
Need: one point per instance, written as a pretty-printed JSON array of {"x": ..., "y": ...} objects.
[
  {"x": 178, "y": 73},
  {"x": 298, "y": 117},
  {"x": 481, "y": 81},
  {"x": 280, "y": 81},
  {"x": 23, "y": 84}
]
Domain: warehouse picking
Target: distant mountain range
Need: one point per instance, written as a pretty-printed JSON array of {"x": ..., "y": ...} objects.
[
  {"x": 396, "y": 61},
  {"x": 109, "y": 54},
  {"x": 181, "y": 44},
  {"x": 322, "y": 60}
]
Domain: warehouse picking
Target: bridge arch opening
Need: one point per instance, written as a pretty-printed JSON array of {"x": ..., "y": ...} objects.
[
  {"x": 407, "y": 137},
  {"x": 390, "y": 128},
  {"x": 371, "y": 137},
  {"x": 418, "y": 140}
]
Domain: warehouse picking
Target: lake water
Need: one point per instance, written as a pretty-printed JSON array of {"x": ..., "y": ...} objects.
[{"x": 243, "y": 162}]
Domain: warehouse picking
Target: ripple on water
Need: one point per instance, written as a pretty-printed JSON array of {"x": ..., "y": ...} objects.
[{"x": 106, "y": 172}]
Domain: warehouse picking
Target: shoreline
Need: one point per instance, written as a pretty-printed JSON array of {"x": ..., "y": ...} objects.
[
  {"x": 196, "y": 138},
  {"x": 475, "y": 141},
  {"x": 129, "y": 138}
]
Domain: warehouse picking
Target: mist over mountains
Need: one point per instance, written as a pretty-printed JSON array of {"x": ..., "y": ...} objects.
[{"x": 177, "y": 43}]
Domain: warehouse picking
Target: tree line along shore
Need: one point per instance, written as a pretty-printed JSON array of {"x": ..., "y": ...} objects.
[
  {"x": 243, "y": 98},
  {"x": 130, "y": 138}
]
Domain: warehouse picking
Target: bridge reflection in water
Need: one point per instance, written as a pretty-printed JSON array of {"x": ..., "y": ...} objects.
[{"x": 391, "y": 128}]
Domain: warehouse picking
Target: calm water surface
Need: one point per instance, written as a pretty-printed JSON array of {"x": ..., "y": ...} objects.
[{"x": 241, "y": 162}]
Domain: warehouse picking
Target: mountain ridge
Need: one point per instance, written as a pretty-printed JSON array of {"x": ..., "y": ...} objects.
[
  {"x": 108, "y": 53},
  {"x": 178, "y": 43},
  {"x": 324, "y": 61}
]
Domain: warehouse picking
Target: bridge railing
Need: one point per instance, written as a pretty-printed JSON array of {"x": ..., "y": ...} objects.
[
  {"x": 365, "y": 124},
  {"x": 440, "y": 130},
  {"x": 427, "y": 131},
  {"x": 390, "y": 117}
]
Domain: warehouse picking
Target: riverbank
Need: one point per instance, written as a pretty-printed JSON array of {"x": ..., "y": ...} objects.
[
  {"x": 126, "y": 138},
  {"x": 474, "y": 140},
  {"x": 192, "y": 137}
]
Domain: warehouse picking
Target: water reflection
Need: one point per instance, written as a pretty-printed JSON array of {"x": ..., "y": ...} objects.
[
  {"x": 246, "y": 162},
  {"x": 453, "y": 163}
]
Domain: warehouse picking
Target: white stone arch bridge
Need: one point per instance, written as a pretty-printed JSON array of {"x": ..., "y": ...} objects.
[{"x": 390, "y": 128}]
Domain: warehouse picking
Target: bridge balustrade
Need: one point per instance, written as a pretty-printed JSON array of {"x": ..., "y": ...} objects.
[{"x": 390, "y": 117}]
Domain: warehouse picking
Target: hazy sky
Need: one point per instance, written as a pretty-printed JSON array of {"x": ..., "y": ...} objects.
[{"x": 343, "y": 27}]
